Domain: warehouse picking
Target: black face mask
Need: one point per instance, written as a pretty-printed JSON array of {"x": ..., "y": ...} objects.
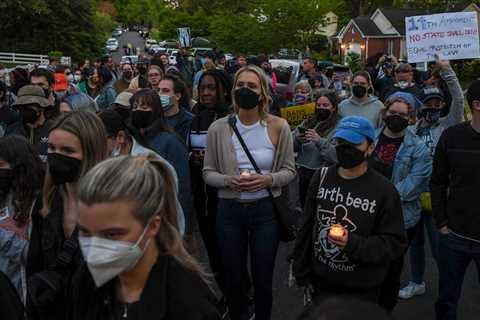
[
  {"x": 142, "y": 70},
  {"x": 348, "y": 156},
  {"x": 246, "y": 98},
  {"x": 431, "y": 115},
  {"x": 323, "y": 114},
  {"x": 6, "y": 177},
  {"x": 142, "y": 119},
  {"x": 359, "y": 91},
  {"x": 396, "y": 123},
  {"x": 29, "y": 115},
  {"x": 127, "y": 75},
  {"x": 63, "y": 169}
]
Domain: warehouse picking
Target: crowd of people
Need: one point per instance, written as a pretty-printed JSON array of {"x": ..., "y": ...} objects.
[{"x": 107, "y": 171}]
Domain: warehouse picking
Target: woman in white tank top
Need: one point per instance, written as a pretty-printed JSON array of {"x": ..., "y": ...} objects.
[{"x": 246, "y": 219}]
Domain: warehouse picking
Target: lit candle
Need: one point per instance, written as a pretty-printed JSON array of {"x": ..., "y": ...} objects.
[
  {"x": 245, "y": 173},
  {"x": 337, "y": 231}
]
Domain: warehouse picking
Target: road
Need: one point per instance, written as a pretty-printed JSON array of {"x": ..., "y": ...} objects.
[{"x": 128, "y": 37}]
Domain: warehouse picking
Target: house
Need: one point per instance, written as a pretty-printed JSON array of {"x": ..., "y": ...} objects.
[
  {"x": 384, "y": 31},
  {"x": 381, "y": 32},
  {"x": 330, "y": 24}
]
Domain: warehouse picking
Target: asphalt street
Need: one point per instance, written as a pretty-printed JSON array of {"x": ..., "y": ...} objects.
[
  {"x": 128, "y": 37},
  {"x": 288, "y": 302}
]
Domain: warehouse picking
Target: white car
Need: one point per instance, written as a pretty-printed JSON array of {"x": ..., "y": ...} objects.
[
  {"x": 112, "y": 45},
  {"x": 287, "y": 72},
  {"x": 149, "y": 43}
]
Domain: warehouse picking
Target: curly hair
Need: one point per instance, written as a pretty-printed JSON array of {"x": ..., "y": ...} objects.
[{"x": 27, "y": 174}]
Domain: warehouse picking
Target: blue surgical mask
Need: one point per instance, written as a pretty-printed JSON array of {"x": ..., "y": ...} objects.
[{"x": 167, "y": 101}]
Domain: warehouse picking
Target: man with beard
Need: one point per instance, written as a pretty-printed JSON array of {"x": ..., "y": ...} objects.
[
  {"x": 140, "y": 81},
  {"x": 125, "y": 80}
]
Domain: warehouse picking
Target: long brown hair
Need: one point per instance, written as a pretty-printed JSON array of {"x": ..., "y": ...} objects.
[
  {"x": 89, "y": 129},
  {"x": 323, "y": 128}
]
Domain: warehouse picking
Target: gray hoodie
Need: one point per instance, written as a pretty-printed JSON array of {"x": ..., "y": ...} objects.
[{"x": 370, "y": 109}]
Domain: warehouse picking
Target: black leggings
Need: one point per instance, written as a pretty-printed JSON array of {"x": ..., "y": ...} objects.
[{"x": 391, "y": 285}]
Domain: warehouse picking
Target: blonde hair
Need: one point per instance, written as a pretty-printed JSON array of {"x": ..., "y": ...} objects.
[
  {"x": 265, "y": 98},
  {"x": 150, "y": 186},
  {"x": 89, "y": 129}
]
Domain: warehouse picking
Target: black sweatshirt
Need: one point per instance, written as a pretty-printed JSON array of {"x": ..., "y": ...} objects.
[
  {"x": 369, "y": 208},
  {"x": 455, "y": 182}
]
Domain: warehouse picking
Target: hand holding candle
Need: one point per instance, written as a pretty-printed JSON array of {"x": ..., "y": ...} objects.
[{"x": 338, "y": 235}]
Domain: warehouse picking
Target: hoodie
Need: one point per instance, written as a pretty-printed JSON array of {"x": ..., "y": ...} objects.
[{"x": 369, "y": 109}]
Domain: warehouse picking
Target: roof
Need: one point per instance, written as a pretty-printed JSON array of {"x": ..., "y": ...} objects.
[
  {"x": 397, "y": 16},
  {"x": 367, "y": 26},
  {"x": 459, "y": 7}
]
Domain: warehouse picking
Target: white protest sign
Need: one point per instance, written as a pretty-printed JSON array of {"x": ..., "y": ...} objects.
[
  {"x": 449, "y": 35},
  {"x": 184, "y": 37}
]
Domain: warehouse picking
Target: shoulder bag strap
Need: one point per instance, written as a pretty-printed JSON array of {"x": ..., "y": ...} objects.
[{"x": 232, "y": 120}]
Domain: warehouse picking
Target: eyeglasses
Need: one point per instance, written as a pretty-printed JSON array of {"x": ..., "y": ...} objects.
[{"x": 401, "y": 114}]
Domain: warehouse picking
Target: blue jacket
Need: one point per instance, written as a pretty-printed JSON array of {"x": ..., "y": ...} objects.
[
  {"x": 169, "y": 147},
  {"x": 106, "y": 97},
  {"x": 411, "y": 173}
]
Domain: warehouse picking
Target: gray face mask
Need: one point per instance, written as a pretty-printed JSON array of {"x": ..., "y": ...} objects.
[{"x": 167, "y": 102}]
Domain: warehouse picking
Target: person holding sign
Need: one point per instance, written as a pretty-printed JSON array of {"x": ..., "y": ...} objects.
[
  {"x": 429, "y": 128},
  {"x": 312, "y": 139},
  {"x": 403, "y": 82}
]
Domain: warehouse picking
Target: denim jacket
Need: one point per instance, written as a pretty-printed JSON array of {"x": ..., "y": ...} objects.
[{"x": 411, "y": 173}]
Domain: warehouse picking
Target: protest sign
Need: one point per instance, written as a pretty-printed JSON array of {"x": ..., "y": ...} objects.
[
  {"x": 448, "y": 35},
  {"x": 295, "y": 115},
  {"x": 184, "y": 37}
]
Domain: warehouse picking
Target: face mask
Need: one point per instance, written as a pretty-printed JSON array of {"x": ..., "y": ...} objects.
[
  {"x": 106, "y": 258},
  {"x": 115, "y": 152},
  {"x": 300, "y": 98},
  {"x": 348, "y": 156},
  {"x": 29, "y": 115},
  {"x": 63, "y": 169},
  {"x": 246, "y": 98},
  {"x": 403, "y": 84},
  {"x": 6, "y": 177},
  {"x": 359, "y": 91},
  {"x": 167, "y": 102},
  {"x": 77, "y": 78},
  {"x": 202, "y": 61},
  {"x": 142, "y": 70},
  {"x": 46, "y": 92},
  {"x": 71, "y": 78},
  {"x": 431, "y": 115},
  {"x": 396, "y": 123},
  {"x": 323, "y": 114},
  {"x": 142, "y": 119}
]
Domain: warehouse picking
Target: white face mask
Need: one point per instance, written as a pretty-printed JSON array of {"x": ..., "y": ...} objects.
[
  {"x": 71, "y": 78},
  {"x": 403, "y": 84},
  {"x": 115, "y": 152},
  {"x": 106, "y": 258}
]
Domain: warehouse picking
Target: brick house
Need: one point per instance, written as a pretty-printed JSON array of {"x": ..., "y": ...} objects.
[
  {"x": 381, "y": 32},
  {"x": 384, "y": 31}
]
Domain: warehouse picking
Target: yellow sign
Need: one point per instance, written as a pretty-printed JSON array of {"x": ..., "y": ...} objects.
[{"x": 295, "y": 115}]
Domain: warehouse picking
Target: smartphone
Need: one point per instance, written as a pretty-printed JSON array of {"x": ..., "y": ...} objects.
[{"x": 302, "y": 130}]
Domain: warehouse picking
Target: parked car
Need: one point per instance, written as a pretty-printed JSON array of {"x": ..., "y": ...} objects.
[
  {"x": 117, "y": 32},
  {"x": 169, "y": 43},
  {"x": 149, "y": 43},
  {"x": 156, "y": 49},
  {"x": 129, "y": 59},
  {"x": 112, "y": 45},
  {"x": 287, "y": 72}
]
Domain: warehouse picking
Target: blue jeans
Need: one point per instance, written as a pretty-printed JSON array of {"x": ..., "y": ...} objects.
[
  {"x": 417, "y": 248},
  {"x": 455, "y": 254},
  {"x": 242, "y": 227}
]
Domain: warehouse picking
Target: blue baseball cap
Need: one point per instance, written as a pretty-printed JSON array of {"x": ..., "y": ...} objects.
[
  {"x": 355, "y": 129},
  {"x": 406, "y": 97}
]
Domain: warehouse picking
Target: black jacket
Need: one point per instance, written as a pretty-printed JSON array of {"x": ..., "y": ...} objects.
[
  {"x": 456, "y": 180},
  {"x": 38, "y": 137},
  {"x": 10, "y": 303},
  {"x": 171, "y": 293},
  {"x": 46, "y": 243}
]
